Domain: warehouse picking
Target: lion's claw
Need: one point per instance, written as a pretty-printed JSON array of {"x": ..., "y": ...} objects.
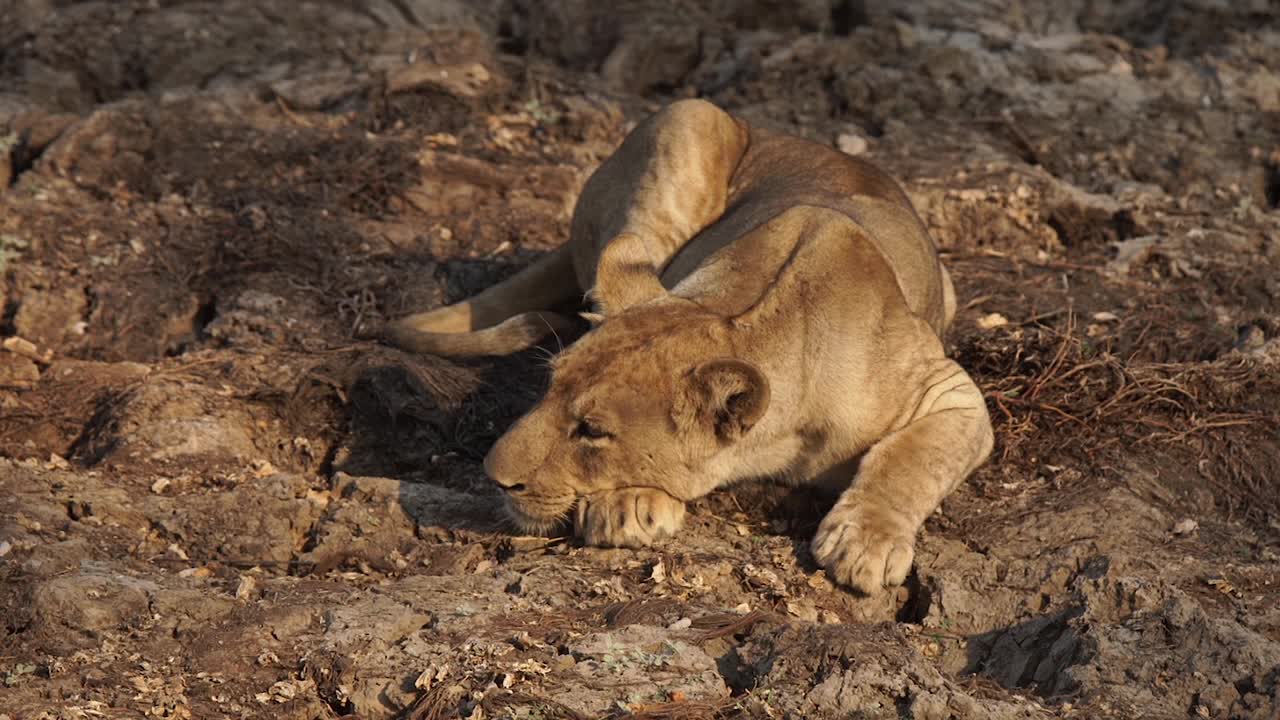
[{"x": 861, "y": 552}]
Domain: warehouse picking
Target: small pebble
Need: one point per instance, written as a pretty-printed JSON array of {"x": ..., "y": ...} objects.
[{"x": 852, "y": 144}]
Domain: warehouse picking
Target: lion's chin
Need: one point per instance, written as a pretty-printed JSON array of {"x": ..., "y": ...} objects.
[{"x": 539, "y": 524}]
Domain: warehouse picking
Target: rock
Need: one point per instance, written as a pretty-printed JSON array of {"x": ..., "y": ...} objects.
[
  {"x": 1131, "y": 252},
  {"x": 251, "y": 318},
  {"x": 469, "y": 80},
  {"x": 17, "y": 371},
  {"x": 8, "y": 146},
  {"x": 108, "y": 145},
  {"x": 1262, "y": 87},
  {"x": 165, "y": 420},
  {"x": 319, "y": 92},
  {"x": 806, "y": 15},
  {"x": 182, "y": 611},
  {"x": 371, "y": 625},
  {"x": 858, "y": 671},
  {"x": 1120, "y": 655},
  {"x": 851, "y": 144},
  {"x": 48, "y": 316},
  {"x": 25, "y": 348},
  {"x": 90, "y": 602},
  {"x": 384, "y": 641},
  {"x": 37, "y": 129},
  {"x": 260, "y": 524},
  {"x": 991, "y": 321},
  {"x": 653, "y": 665},
  {"x": 84, "y": 372},
  {"x": 1057, "y": 66},
  {"x": 428, "y": 13},
  {"x": 631, "y": 50},
  {"x": 662, "y": 56},
  {"x": 374, "y": 516}
]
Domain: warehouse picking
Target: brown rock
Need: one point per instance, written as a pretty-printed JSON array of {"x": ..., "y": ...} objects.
[
  {"x": 37, "y": 129},
  {"x": 17, "y": 371},
  {"x": 90, "y": 602},
  {"x": 467, "y": 80},
  {"x": 7, "y": 143},
  {"x": 46, "y": 317}
]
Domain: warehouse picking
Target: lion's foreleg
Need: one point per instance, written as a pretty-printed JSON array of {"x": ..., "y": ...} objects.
[
  {"x": 627, "y": 517},
  {"x": 867, "y": 541}
]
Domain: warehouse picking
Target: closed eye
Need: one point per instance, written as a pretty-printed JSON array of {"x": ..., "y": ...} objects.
[{"x": 588, "y": 430}]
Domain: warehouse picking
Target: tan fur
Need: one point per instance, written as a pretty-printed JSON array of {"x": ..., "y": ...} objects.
[{"x": 770, "y": 307}]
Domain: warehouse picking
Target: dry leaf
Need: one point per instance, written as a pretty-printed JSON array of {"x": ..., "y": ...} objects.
[
  {"x": 659, "y": 572},
  {"x": 244, "y": 591},
  {"x": 992, "y": 320}
]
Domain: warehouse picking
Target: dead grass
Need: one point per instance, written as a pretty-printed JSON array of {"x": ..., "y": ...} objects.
[{"x": 1055, "y": 393}]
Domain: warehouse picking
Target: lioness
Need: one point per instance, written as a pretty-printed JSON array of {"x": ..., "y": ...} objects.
[{"x": 766, "y": 306}]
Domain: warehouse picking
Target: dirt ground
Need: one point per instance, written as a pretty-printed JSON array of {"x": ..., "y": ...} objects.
[{"x": 216, "y": 502}]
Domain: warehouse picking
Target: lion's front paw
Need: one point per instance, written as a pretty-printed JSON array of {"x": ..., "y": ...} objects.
[
  {"x": 862, "y": 551},
  {"x": 630, "y": 517}
]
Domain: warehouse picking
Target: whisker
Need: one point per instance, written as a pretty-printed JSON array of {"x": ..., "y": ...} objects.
[{"x": 556, "y": 335}]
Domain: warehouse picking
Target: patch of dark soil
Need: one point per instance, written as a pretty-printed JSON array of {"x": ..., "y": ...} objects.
[
  {"x": 50, "y": 419},
  {"x": 1271, "y": 185},
  {"x": 1186, "y": 28},
  {"x": 847, "y": 15},
  {"x": 403, "y": 415},
  {"x": 144, "y": 47},
  {"x": 430, "y": 418},
  {"x": 427, "y": 109},
  {"x": 1091, "y": 228},
  {"x": 229, "y": 164},
  {"x": 774, "y": 508}
]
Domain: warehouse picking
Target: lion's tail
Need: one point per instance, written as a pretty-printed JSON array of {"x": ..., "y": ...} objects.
[
  {"x": 948, "y": 299},
  {"x": 504, "y": 319}
]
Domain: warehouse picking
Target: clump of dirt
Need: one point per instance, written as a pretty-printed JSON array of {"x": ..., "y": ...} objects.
[{"x": 226, "y": 503}]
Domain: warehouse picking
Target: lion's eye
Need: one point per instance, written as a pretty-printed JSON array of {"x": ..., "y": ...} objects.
[{"x": 587, "y": 430}]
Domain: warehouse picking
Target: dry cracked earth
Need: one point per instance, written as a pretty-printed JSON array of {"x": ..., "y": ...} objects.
[{"x": 215, "y": 501}]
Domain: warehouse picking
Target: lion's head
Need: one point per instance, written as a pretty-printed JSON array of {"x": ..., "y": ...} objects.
[{"x": 649, "y": 398}]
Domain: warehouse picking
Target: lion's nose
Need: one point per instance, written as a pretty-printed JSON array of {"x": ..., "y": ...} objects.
[
  {"x": 510, "y": 485},
  {"x": 513, "y": 488}
]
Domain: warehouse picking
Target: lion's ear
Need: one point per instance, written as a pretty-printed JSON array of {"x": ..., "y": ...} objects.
[{"x": 728, "y": 395}]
